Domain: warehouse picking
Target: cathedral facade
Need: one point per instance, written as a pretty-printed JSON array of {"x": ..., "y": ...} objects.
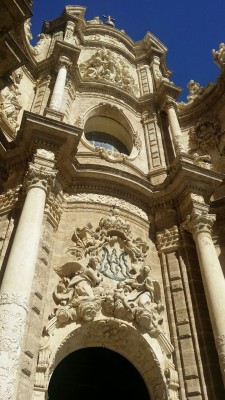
[{"x": 112, "y": 211}]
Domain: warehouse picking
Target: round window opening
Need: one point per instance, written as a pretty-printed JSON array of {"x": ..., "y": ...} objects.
[{"x": 108, "y": 133}]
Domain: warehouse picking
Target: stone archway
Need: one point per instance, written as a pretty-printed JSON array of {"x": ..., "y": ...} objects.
[
  {"x": 114, "y": 335},
  {"x": 96, "y": 373}
]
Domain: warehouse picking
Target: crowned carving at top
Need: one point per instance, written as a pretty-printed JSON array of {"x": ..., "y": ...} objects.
[
  {"x": 10, "y": 100},
  {"x": 106, "y": 66},
  {"x": 109, "y": 275}
]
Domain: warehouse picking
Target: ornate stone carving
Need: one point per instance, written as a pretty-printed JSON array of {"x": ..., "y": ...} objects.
[
  {"x": 41, "y": 177},
  {"x": 12, "y": 320},
  {"x": 111, "y": 201},
  {"x": 105, "y": 66},
  {"x": 48, "y": 155},
  {"x": 199, "y": 221},
  {"x": 219, "y": 55},
  {"x": 53, "y": 209},
  {"x": 95, "y": 21},
  {"x": 10, "y": 100},
  {"x": 220, "y": 345},
  {"x": 196, "y": 91},
  {"x": 168, "y": 240},
  {"x": 206, "y": 134},
  {"x": 69, "y": 34},
  {"x": 42, "y": 45},
  {"x": 9, "y": 199},
  {"x": 119, "y": 336},
  {"x": 109, "y": 276},
  {"x": 202, "y": 161},
  {"x": 14, "y": 298}
]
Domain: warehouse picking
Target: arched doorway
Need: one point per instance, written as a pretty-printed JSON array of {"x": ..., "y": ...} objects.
[{"x": 96, "y": 373}]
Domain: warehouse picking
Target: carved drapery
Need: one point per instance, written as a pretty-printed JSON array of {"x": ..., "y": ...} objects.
[{"x": 200, "y": 224}]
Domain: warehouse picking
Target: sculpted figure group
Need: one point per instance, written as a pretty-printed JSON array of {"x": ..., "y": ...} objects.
[
  {"x": 86, "y": 291},
  {"x": 104, "y": 65},
  {"x": 109, "y": 275}
]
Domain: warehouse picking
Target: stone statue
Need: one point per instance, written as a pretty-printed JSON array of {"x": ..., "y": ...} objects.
[
  {"x": 219, "y": 55},
  {"x": 10, "y": 102}
]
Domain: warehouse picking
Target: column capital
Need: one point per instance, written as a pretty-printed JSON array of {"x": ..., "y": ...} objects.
[
  {"x": 169, "y": 102},
  {"x": 40, "y": 177},
  {"x": 63, "y": 61},
  {"x": 199, "y": 222}
]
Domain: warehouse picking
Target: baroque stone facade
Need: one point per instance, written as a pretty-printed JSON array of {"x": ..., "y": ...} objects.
[{"x": 112, "y": 209}]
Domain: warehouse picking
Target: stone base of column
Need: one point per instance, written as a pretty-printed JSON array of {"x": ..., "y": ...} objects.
[{"x": 53, "y": 114}]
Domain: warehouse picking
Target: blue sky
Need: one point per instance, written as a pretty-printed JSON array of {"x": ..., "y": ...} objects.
[{"x": 189, "y": 29}]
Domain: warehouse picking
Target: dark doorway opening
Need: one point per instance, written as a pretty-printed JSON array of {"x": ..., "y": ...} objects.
[{"x": 96, "y": 373}]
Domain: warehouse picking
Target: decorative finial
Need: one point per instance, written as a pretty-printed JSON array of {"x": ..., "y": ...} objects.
[{"x": 109, "y": 20}]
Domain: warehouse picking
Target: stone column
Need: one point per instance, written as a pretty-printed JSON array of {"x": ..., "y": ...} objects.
[
  {"x": 18, "y": 277},
  {"x": 170, "y": 107},
  {"x": 200, "y": 225},
  {"x": 58, "y": 91}
]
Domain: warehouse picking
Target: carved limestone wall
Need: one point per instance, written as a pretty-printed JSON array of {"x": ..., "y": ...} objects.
[
  {"x": 182, "y": 325},
  {"x": 104, "y": 280}
]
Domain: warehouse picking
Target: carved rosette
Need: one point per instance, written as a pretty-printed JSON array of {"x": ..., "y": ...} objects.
[
  {"x": 40, "y": 177},
  {"x": 199, "y": 222}
]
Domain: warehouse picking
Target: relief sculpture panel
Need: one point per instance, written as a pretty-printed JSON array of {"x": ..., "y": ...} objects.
[{"x": 109, "y": 274}]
